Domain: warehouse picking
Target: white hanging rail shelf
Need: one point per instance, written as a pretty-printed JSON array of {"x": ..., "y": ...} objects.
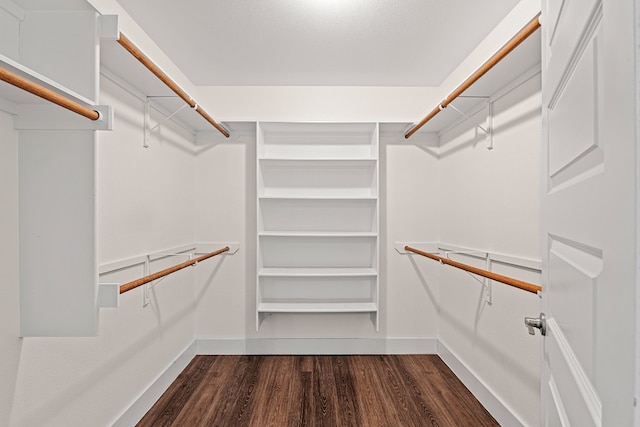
[
  {"x": 151, "y": 277},
  {"x": 117, "y": 62},
  {"x": 519, "y": 64},
  {"x": 151, "y": 66},
  {"x": 109, "y": 293},
  {"x": 22, "y": 87},
  {"x": 520, "y": 284},
  {"x": 442, "y": 253}
]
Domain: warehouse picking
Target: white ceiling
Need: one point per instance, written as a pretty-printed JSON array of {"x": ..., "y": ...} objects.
[{"x": 318, "y": 42}]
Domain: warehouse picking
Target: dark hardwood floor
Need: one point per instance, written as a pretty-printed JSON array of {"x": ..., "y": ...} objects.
[{"x": 389, "y": 390}]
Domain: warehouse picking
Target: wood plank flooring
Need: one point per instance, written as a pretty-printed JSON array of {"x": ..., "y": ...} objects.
[{"x": 261, "y": 391}]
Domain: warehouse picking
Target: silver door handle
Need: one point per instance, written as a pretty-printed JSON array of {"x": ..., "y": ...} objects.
[{"x": 536, "y": 322}]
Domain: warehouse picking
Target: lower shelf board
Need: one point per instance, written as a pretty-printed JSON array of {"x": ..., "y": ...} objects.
[
  {"x": 317, "y": 307},
  {"x": 318, "y": 272}
]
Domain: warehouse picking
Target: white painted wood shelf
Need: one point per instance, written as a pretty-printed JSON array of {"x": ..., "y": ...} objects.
[
  {"x": 317, "y": 307},
  {"x": 318, "y": 234},
  {"x": 315, "y": 197},
  {"x": 19, "y": 96},
  {"x": 318, "y": 272},
  {"x": 318, "y": 243}
]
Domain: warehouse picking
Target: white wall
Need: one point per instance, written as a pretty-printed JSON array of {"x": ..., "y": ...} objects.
[
  {"x": 145, "y": 194},
  {"x": 411, "y": 188},
  {"x": 308, "y": 103},
  {"x": 225, "y": 212},
  {"x": 489, "y": 200}
]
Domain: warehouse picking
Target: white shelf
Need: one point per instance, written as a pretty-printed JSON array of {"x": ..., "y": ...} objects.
[
  {"x": 315, "y": 197},
  {"x": 318, "y": 272},
  {"x": 317, "y": 307},
  {"x": 316, "y": 162},
  {"x": 317, "y": 234},
  {"x": 316, "y": 215},
  {"x": 317, "y": 159},
  {"x": 19, "y": 96},
  {"x": 317, "y": 218},
  {"x": 311, "y": 178},
  {"x": 521, "y": 64},
  {"x": 318, "y": 141},
  {"x": 317, "y": 252}
]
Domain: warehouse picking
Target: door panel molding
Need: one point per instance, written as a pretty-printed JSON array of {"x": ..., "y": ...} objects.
[
  {"x": 560, "y": 412},
  {"x": 556, "y": 338},
  {"x": 585, "y": 258},
  {"x": 576, "y": 120},
  {"x": 560, "y": 71},
  {"x": 555, "y": 10},
  {"x": 574, "y": 269}
]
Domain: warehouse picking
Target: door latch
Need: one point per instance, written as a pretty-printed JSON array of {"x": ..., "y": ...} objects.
[{"x": 536, "y": 322}]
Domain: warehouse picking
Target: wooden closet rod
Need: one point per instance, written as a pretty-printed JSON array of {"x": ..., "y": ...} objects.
[
  {"x": 529, "y": 29},
  {"x": 155, "y": 276},
  {"x": 48, "y": 94},
  {"x": 529, "y": 287},
  {"x": 137, "y": 53}
]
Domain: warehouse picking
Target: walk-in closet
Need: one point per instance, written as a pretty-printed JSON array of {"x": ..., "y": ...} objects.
[{"x": 319, "y": 212}]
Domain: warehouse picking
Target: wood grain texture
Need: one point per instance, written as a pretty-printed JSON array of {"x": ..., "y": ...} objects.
[{"x": 371, "y": 390}]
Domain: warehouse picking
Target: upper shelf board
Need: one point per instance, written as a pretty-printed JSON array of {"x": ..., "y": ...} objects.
[
  {"x": 18, "y": 96},
  {"x": 119, "y": 64},
  {"x": 523, "y": 60}
]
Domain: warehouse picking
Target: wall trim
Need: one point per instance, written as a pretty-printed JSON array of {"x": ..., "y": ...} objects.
[
  {"x": 490, "y": 401},
  {"x": 264, "y": 346},
  {"x": 148, "y": 397},
  {"x": 400, "y": 345}
]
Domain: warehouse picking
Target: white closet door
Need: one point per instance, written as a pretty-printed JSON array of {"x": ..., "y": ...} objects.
[{"x": 588, "y": 220}]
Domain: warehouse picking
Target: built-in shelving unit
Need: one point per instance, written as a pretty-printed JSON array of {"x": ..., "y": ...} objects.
[
  {"x": 317, "y": 187},
  {"x": 52, "y": 45},
  {"x": 61, "y": 47}
]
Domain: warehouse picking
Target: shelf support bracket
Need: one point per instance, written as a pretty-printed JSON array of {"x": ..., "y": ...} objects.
[
  {"x": 147, "y": 126},
  {"x": 145, "y": 289},
  {"x": 148, "y": 130},
  {"x": 488, "y": 283},
  {"x": 488, "y": 131},
  {"x": 490, "y": 125}
]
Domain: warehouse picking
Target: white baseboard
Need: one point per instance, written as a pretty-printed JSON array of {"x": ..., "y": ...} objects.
[
  {"x": 216, "y": 346},
  {"x": 486, "y": 397},
  {"x": 318, "y": 346},
  {"x": 213, "y": 346},
  {"x": 145, "y": 401}
]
